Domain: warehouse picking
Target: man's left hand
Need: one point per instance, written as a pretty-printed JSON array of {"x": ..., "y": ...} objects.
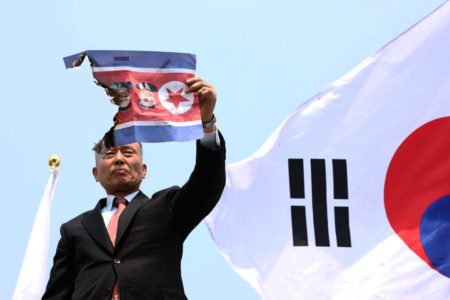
[{"x": 207, "y": 97}]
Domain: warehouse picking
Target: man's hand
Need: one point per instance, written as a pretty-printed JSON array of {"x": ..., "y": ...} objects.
[{"x": 207, "y": 97}]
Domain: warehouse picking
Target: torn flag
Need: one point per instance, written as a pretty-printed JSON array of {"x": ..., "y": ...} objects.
[{"x": 149, "y": 89}]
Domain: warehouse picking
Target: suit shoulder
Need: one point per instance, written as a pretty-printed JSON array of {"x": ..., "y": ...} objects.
[
  {"x": 166, "y": 192},
  {"x": 77, "y": 219}
]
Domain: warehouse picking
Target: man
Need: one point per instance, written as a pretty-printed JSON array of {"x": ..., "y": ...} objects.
[
  {"x": 141, "y": 260},
  {"x": 146, "y": 98}
]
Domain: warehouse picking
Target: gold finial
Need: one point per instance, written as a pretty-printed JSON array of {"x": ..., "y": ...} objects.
[{"x": 54, "y": 161}]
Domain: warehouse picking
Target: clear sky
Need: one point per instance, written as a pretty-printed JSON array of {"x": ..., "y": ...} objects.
[{"x": 263, "y": 57}]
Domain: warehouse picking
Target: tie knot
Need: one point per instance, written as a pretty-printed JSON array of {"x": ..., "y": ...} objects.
[{"x": 118, "y": 201}]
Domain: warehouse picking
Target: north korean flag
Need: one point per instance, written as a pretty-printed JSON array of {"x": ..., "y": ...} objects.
[{"x": 149, "y": 88}]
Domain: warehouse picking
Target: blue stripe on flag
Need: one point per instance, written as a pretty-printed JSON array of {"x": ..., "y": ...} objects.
[
  {"x": 155, "y": 134},
  {"x": 137, "y": 59}
]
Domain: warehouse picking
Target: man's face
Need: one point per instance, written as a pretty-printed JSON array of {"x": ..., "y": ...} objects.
[
  {"x": 121, "y": 170},
  {"x": 121, "y": 96},
  {"x": 147, "y": 98},
  {"x": 123, "y": 92},
  {"x": 123, "y": 102}
]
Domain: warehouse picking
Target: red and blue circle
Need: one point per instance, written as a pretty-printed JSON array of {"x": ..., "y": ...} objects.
[{"x": 417, "y": 193}]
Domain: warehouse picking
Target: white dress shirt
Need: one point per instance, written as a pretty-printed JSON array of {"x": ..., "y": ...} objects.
[{"x": 109, "y": 209}]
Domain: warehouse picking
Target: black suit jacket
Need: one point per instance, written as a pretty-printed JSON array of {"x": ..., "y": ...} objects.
[{"x": 149, "y": 244}]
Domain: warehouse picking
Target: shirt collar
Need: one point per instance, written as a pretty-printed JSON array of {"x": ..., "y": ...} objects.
[{"x": 110, "y": 199}]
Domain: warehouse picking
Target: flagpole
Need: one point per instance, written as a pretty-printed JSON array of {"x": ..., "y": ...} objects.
[{"x": 33, "y": 274}]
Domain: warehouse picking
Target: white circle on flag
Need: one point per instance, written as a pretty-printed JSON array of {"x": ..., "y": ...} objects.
[{"x": 173, "y": 97}]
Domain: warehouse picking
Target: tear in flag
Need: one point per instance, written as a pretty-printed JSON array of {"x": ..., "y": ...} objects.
[
  {"x": 149, "y": 90},
  {"x": 350, "y": 197}
]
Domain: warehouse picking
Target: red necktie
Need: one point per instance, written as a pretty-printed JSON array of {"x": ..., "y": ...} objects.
[{"x": 120, "y": 203}]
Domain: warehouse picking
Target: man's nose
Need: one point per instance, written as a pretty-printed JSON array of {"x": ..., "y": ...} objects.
[{"x": 119, "y": 158}]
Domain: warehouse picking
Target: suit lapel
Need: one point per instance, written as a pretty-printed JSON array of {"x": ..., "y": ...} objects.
[
  {"x": 127, "y": 215},
  {"x": 95, "y": 225}
]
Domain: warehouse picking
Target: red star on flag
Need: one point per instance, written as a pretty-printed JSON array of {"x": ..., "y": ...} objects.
[{"x": 175, "y": 97}]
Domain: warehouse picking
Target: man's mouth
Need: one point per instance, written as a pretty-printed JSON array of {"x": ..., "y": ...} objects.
[{"x": 120, "y": 172}]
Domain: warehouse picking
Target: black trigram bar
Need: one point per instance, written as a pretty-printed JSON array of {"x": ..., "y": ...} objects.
[
  {"x": 341, "y": 214},
  {"x": 340, "y": 179},
  {"x": 299, "y": 233},
  {"x": 319, "y": 202},
  {"x": 341, "y": 220},
  {"x": 296, "y": 178}
]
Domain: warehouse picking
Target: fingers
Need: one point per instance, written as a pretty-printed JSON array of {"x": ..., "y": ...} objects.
[
  {"x": 207, "y": 97},
  {"x": 196, "y": 84},
  {"x": 206, "y": 92},
  {"x": 190, "y": 81}
]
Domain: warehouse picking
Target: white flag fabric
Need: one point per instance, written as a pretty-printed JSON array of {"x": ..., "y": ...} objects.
[
  {"x": 33, "y": 274},
  {"x": 350, "y": 197}
]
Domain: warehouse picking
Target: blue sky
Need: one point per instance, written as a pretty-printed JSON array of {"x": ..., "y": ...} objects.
[{"x": 263, "y": 57}]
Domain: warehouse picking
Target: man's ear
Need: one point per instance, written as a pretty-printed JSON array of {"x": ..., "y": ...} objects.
[
  {"x": 144, "y": 170},
  {"x": 94, "y": 172}
]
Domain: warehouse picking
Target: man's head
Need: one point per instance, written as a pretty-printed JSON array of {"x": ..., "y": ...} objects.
[
  {"x": 119, "y": 170},
  {"x": 123, "y": 103},
  {"x": 146, "y": 97},
  {"x": 120, "y": 91}
]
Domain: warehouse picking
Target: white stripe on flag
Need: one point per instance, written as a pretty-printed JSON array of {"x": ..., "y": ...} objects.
[
  {"x": 158, "y": 123},
  {"x": 33, "y": 274},
  {"x": 144, "y": 70}
]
